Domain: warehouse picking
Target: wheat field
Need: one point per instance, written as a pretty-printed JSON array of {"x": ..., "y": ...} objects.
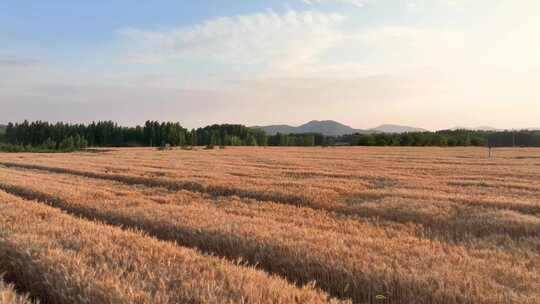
[{"x": 271, "y": 225}]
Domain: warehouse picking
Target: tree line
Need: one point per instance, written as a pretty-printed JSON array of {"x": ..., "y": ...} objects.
[
  {"x": 298, "y": 140},
  {"x": 444, "y": 138},
  {"x": 65, "y": 137}
]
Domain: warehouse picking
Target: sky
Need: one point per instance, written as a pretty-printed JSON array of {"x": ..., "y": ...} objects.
[{"x": 433, "y": 64}]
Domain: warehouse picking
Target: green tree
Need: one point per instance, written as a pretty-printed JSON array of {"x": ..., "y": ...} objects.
[
  {"x": 366, "y": 140},
  {"x": 49, "y": 144},
  {"x": 67, "y": 144},
  {"x": 251, "y": 141}
]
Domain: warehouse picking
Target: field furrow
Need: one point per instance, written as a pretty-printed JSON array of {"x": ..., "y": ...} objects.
[
  {"x": 347, "y": 258},
  {"x": 62, "y": 259}
]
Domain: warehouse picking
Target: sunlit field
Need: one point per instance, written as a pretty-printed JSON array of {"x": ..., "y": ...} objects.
[{"x": 271, "y": 225}]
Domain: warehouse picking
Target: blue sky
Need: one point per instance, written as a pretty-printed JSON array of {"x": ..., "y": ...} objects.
[
  {"x": 83, "y": 23},
  {"x": 71, "y": 25},
  {"x": 428, "y": 63}
]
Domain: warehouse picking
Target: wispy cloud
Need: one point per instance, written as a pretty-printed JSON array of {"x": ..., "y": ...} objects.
[
  {"x": 307, "y": 43},
  {"x": 248, "y": 39}
]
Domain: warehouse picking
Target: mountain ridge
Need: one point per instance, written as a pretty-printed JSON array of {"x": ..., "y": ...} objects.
[
  {"x": 334, "y": 128},
  {"x": 325, "y": 127}
]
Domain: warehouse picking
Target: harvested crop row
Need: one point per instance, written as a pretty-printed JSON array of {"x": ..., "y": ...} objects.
[
  {"x": 347, "y": 258},
  {"x": 62, "y": 259},
  {"x": 9, "y": 296}
]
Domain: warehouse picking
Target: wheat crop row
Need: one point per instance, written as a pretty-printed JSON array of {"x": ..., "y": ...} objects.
[
  {"x": 419, "y": 225},
  {"x": 347, "y": 181},
  {"x": 63, "y": 259},
  {"x": 443, "y": 214},
  {"x": 349, "y": 258}
]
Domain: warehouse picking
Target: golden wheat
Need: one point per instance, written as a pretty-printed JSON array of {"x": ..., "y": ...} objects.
[
  {"x": 9, "y": 296},
  {"x": 62, "y": 259},
  {"x": 420, "y": 225},
  {"x": 301, "y": 244}
]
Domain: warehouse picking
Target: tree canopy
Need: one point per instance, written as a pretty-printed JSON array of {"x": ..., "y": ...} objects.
[{"x": 65, "y": 136}]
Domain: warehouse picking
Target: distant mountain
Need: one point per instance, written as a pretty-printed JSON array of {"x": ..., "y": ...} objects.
[
  {"x": 325, "y": 127},
  {"x": 396, "y": 129},
  {"x": 334, "y": 128}
]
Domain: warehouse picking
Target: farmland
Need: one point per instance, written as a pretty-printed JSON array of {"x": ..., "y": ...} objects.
[{"x": 272, "y": 225}]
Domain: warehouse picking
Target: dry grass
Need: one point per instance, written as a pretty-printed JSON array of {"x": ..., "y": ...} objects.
[
  {"x": 9, "y": 296},
  {"x": 61, "y": 259},
  {"x": 421, "y": 225}
]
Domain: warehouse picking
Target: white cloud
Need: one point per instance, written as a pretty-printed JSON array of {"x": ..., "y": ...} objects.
[
  {"x": 312, "y": 44},
  {"x": 248, "y": 39}
]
